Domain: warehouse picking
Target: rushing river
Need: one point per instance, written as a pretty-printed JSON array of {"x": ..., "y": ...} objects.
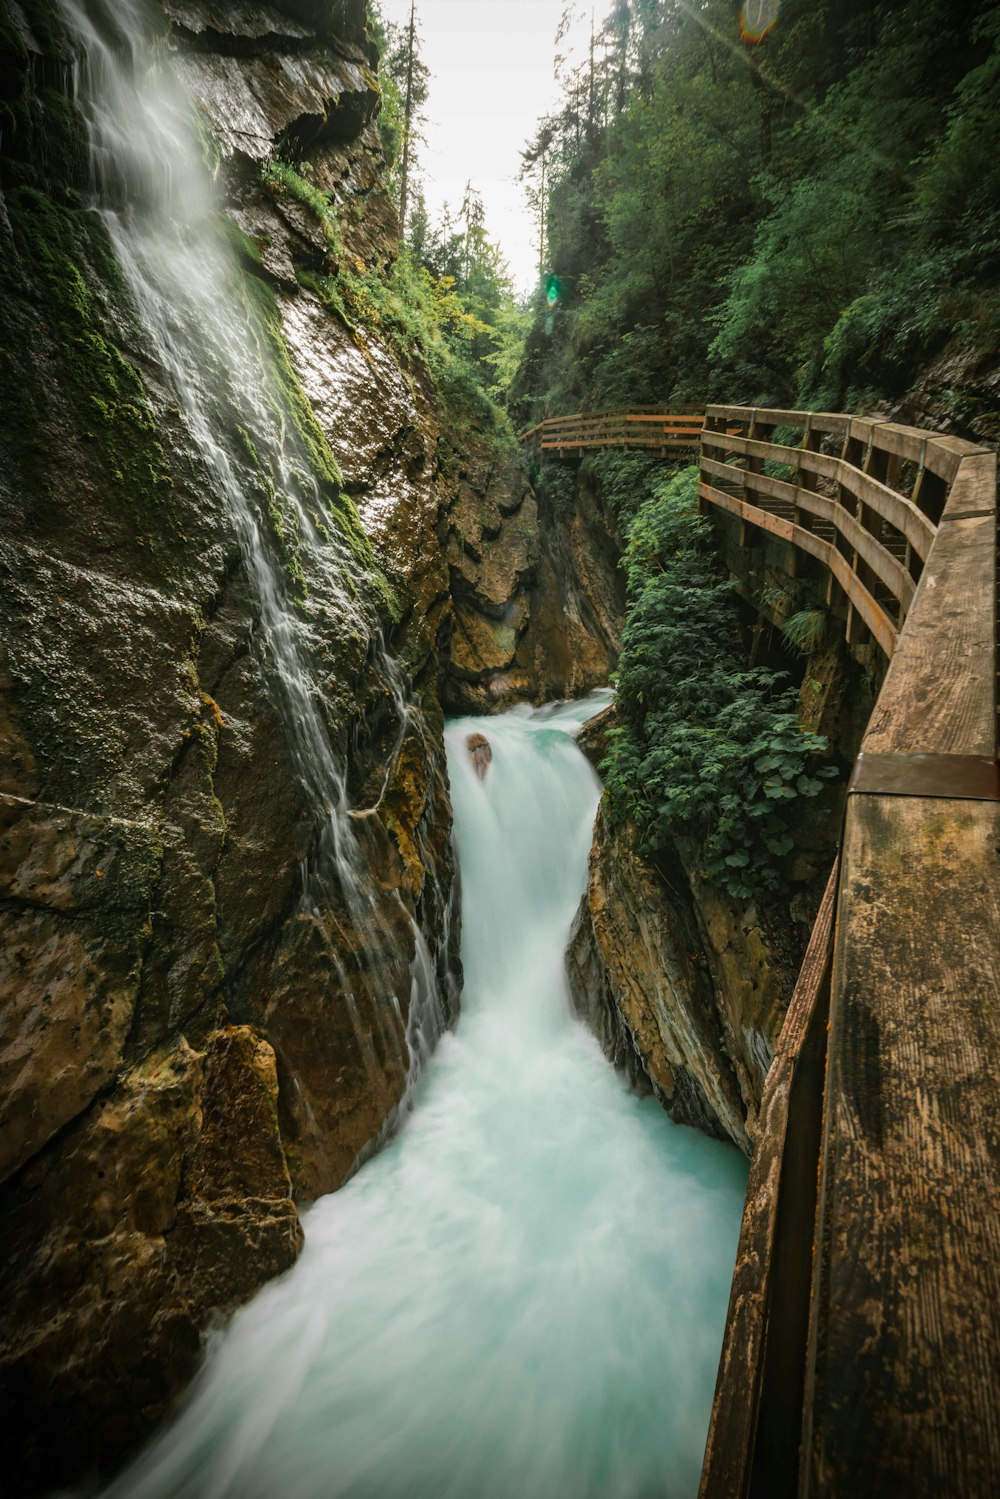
[{"x": 523, "y": 1295}]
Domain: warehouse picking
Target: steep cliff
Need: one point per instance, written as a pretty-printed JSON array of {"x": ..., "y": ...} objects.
[
  {"x": 226, "y": 877},
  {"x": 686, "y": 986}
]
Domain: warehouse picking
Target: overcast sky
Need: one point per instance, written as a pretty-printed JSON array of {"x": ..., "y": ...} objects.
[{"x": 491, "y": 67}]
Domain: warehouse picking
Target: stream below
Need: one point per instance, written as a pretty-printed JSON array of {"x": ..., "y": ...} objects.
[{"x": 523, "y": 1295}]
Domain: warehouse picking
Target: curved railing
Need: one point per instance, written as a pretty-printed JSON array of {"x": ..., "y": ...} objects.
[
  {"x": 862, "y": 1346},
  {"x": 864, "y": 1325},
  {"x": 660, "y": 430},
  {"x": 839, "y": 497}
]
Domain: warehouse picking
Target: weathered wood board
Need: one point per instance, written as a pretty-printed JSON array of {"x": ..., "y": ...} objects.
[{"x": 903, "y": 1393}]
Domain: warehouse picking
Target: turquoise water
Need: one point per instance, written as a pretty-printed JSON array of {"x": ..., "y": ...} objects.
[{"x": 523, "y": 1295}]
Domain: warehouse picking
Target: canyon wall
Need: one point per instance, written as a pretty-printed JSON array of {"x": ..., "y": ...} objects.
[
  {"x": 216, "y": 990},
  {"x": 197, "y": 1031}
]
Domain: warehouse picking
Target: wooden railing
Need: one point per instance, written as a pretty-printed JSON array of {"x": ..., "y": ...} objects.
[
  {"x": 845, "y": 507},
  {"x": 660, "y": 430},
  {"x": 862, "y": 1349}
]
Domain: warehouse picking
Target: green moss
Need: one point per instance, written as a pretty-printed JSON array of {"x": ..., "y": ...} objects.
[
  {"x": 292, "y": 407},
  {"x": 423, "y": 320},
  {"x": 211, "y": 151},
  {"x": 11, "y": 42},
  {"x": 44, "y": 26},
  {"x": 66, "y": 255},
  {"x": 282, "y": 516},
  {"x": 327, "y": 290},
  {"x": 245, "y": 249},
  {"x": 281, "y": 177},
  {"x": 43, "y": 135}
]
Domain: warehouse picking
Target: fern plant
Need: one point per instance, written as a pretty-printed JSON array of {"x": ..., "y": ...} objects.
[{"x": 805, "y": 632}]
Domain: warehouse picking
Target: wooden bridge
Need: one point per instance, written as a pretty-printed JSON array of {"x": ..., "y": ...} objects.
[
  {"x": 663, "y": 431},
  {"x": 862, "y": 1346}
]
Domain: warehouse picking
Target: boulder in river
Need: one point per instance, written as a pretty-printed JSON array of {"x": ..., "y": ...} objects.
[{"x": 480, "y": 753}]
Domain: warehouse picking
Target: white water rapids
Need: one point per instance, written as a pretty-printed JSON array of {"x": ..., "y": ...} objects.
[{"x": 523, "y": 1296}]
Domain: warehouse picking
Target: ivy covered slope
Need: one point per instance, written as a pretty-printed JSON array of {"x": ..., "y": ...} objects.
[
  {"x": 803, "y": 217},
  {"x": 720, "y": 814},
  {"x": 710, "y": 753}
]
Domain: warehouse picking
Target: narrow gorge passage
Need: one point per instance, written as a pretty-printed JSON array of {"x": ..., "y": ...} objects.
[{"x": 524, "y": 1293}]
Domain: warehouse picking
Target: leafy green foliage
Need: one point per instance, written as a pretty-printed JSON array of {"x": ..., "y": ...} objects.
[
  {"x": 625, "y": 479},
  {"x": 557, "y": 483},
  {"x": 805, "y": 631},
  {"x": 800, "y": 222},
  {"x": 401, "y": 70},
  {"x": 709, "y": 754},
  {"x": 423, "y": 316}
]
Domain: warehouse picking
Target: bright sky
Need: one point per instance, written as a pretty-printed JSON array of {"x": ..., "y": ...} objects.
[{"x": 491, "y": 67}]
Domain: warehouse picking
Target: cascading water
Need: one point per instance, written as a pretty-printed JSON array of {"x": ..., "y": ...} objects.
[
  {"x": 157, "y": 201},
  {"x": 522, "y": 1297}
]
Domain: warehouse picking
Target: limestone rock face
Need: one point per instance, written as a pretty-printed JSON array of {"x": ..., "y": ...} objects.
[
  {"x": 680, "y": 983},
  {"x": 179, "y": 1200},
  {"x": 179, "y": 1058},
  {"x": 578, "y": 610},
  {"x": 959, "y": 391}
]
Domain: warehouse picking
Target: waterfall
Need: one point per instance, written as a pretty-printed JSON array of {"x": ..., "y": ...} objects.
[
  {"x": 158, "y": 203},
  {"x": 523, "y": 1295}
]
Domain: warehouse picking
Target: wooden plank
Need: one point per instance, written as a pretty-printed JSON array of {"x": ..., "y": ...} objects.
[
  {"x": 940, "y": 453},
  {"x": 900, "y": 512},
  {"x": 939, "y": 694},
  {"x": 772, "y": 1196},
  {"x": 883, "y": 564},
  {"x": 975, "y": 486},
  {"x": 834, "y": 423},
  {"x": 903, "y": 1371},
  {"x": 909, "y": 443},
  {"x": 666, "y": 418},
  {"x": 680, "y": 445},
  {"x": 903, "y": 1368}
]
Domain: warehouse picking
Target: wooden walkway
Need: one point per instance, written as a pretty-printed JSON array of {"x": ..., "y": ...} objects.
[
  {"x": 862, "y": 1347},
  {"x": 659, "y": 430}
]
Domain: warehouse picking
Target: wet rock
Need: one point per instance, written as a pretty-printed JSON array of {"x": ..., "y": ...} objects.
[
  {"x": 595, "y": 736},
  {"x": 153, "y": 824},
  {"x": 75, "y": 893},
  {"x": 256, "y": 22},
  {"x": 673, "y": 974},
  {"x": 165, "y": 1201},
  {"x": 480, "y": 753}
]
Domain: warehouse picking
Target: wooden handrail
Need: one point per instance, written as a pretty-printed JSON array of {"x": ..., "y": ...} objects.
[
  {"x": 863, "y": 1337},
  {"x": 656, "y": 429},
  {"x": 891, "y": 1376},
  {"x": 885, "y": 534}
]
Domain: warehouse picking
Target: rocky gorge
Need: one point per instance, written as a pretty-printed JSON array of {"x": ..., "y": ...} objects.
[{"x": 229, "y": 894}]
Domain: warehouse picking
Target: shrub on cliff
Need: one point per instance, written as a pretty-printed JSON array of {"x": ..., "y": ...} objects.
[{"x": 709, "y": 754}]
